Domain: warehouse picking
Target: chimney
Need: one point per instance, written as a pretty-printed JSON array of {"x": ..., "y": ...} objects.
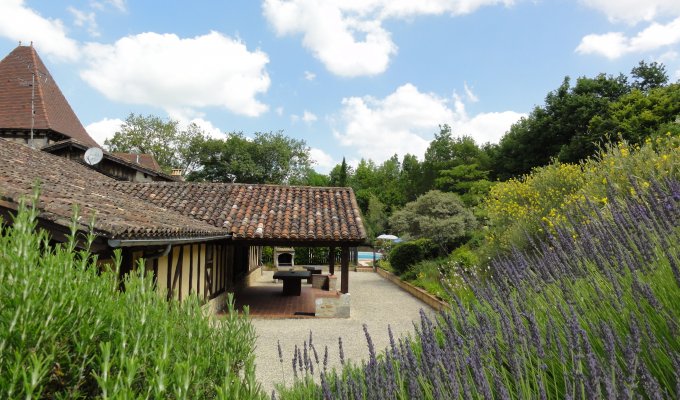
[{"x": 177, "y": 173}]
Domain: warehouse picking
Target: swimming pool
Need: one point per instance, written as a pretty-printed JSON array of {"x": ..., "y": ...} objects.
[{"x": 368, "y": 255}]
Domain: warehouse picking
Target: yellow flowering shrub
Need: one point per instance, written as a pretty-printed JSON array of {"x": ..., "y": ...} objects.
[
  {"x": 542, "y": 198},
  {"x": 524, "y": 204}
]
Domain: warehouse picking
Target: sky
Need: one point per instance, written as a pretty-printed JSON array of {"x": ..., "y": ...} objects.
[{"x": 352, "y": 78}]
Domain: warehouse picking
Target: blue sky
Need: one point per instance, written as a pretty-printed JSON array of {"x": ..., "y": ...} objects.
[{"x": 353, "y": 78}]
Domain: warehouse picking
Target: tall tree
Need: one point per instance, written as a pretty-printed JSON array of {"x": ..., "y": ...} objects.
[
  {"x": 171, "y": 146},
  {"x": 410, "y": 178},
  {"x": 559, "y": 127},
  {"x": 268, "y": 158},
  {"x": 340, "y": 174},
  {"x": 649, "y": 76},
  {"x": 639, "y": 115}
]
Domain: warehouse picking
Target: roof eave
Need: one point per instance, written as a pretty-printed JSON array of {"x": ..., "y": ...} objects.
[{"x": 116, "y": 243}]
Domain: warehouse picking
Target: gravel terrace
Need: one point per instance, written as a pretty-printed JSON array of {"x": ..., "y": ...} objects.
[{"x": 375, "y": 302}]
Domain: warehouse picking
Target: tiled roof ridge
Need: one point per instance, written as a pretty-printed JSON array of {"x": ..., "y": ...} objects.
[
  {"x": 41, "y": 94},
  {"x": 240, "y": 184}
]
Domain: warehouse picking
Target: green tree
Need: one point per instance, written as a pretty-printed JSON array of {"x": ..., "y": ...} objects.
[
  {"x": 171, "y": 146},
  {"x": 311, "y": 178},
  {"x": 438, "y": 216},
  {"x": 375, "y": 218},
  {"x": 340, "y": 174},
  {"x": 410, "y": 178},
  {"x": 638, "y": 114},
  {"x": 268, "y": 158},
  {"x": 467, "y": 180},
  {"x": 649, "y": 76},
  {"x": 446, "y": 152},
  {"x": 559, "y": 127}
]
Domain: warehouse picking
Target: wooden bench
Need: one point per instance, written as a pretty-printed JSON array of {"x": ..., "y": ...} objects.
[{"x": 292, "y": 281}]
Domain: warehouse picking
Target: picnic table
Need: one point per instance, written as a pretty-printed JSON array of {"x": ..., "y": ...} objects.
[{"x": 292, "y": 281}]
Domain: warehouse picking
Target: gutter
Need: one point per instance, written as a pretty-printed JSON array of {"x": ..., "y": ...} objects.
[
  {"x": 158, "y": 254},
  {"x": 116, "y": 243}
]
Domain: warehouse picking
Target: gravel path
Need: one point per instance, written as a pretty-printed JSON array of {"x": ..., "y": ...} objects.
[{"x": 375, "y": 302}]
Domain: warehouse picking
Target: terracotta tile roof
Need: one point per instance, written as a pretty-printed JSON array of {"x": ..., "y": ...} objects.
[
  {"x": 145, "y": 160},
  {"x": 52, "y": 111},
  {"x": 65, "y": 183},
  {"x": 260, "y": 212}
]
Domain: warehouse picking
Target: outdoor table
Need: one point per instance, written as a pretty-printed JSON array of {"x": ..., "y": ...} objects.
[
  {"x": 313, "y": 269},
  {"x": 292, "y": 281}
]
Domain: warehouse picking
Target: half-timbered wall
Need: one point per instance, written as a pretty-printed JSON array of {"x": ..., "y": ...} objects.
[
  {"x": 201, "y": 268},
  {"x": 254, "y": 256}
]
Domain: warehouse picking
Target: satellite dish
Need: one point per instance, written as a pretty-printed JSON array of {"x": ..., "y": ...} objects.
[{"x": 93, "y": 155}]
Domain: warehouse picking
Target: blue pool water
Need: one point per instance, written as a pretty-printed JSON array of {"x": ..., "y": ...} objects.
[{"x": 367, "y": 255}]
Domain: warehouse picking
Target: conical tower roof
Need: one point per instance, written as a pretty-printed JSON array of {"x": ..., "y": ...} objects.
[{"x": 52, "y": 111}]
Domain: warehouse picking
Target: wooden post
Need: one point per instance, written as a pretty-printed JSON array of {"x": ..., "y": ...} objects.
[
  {"x": 331, "y": 260},
  {"x": 373, "y": 251},
  {"x": 344, "y": 269}
]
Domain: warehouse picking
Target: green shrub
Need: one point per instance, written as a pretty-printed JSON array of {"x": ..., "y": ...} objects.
[
  {"x": 441, "y": 217},
  {"x": 464, "y": 257},
  {"x": 407, "y": 254},
  {"x": 66, "y": 331}
]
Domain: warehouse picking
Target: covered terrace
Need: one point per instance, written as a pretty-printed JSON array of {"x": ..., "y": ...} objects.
[{"x": 266, "y": 215}]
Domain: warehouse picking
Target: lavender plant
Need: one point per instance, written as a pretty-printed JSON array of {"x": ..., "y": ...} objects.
[
  {"x": 66, "y": 331},
  {"x": 589, "y": 312}
]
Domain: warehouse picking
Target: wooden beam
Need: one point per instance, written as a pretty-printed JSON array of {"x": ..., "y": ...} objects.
[
  {"x": 297, "y": 243},
  {"x": 169, "y": 274},
  {"x": 191, "y": 267},
  {"x": 344, "y": 269},
  {"x": 331, "y": 260}
]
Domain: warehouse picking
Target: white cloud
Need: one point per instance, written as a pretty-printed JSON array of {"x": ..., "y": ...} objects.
[
  {"x": 324, "y": 162},
  {"x": 471, "y": 96},
  {"x": 348, "y": 37},
  {"x": 332, "y": 36},
  {"x": 634, "y": 11},
  {"x": 179, "y": 75},
  {"x": 104, "y": 129},
  {"x": 119, "y": 4},
  {"x": 615, "y": 44},
  {"x": 308, "y": 117},
  {"x": 406, "y": 120},
  {"x": 403, "y": 122},
  {"x": 279, "y": 111},
  {"x": 484, "y": 127},
  {"x": 83, "y": 19},
  {"x": 310, "y": 76},
  {"x": 21, "y": 23},
  {"x": 207, "y": 126}
]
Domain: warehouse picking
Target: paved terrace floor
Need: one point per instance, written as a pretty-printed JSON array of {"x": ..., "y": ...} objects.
[
  {"x": 265, "y": 299},
  {"x": 375, "y": 302}
]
